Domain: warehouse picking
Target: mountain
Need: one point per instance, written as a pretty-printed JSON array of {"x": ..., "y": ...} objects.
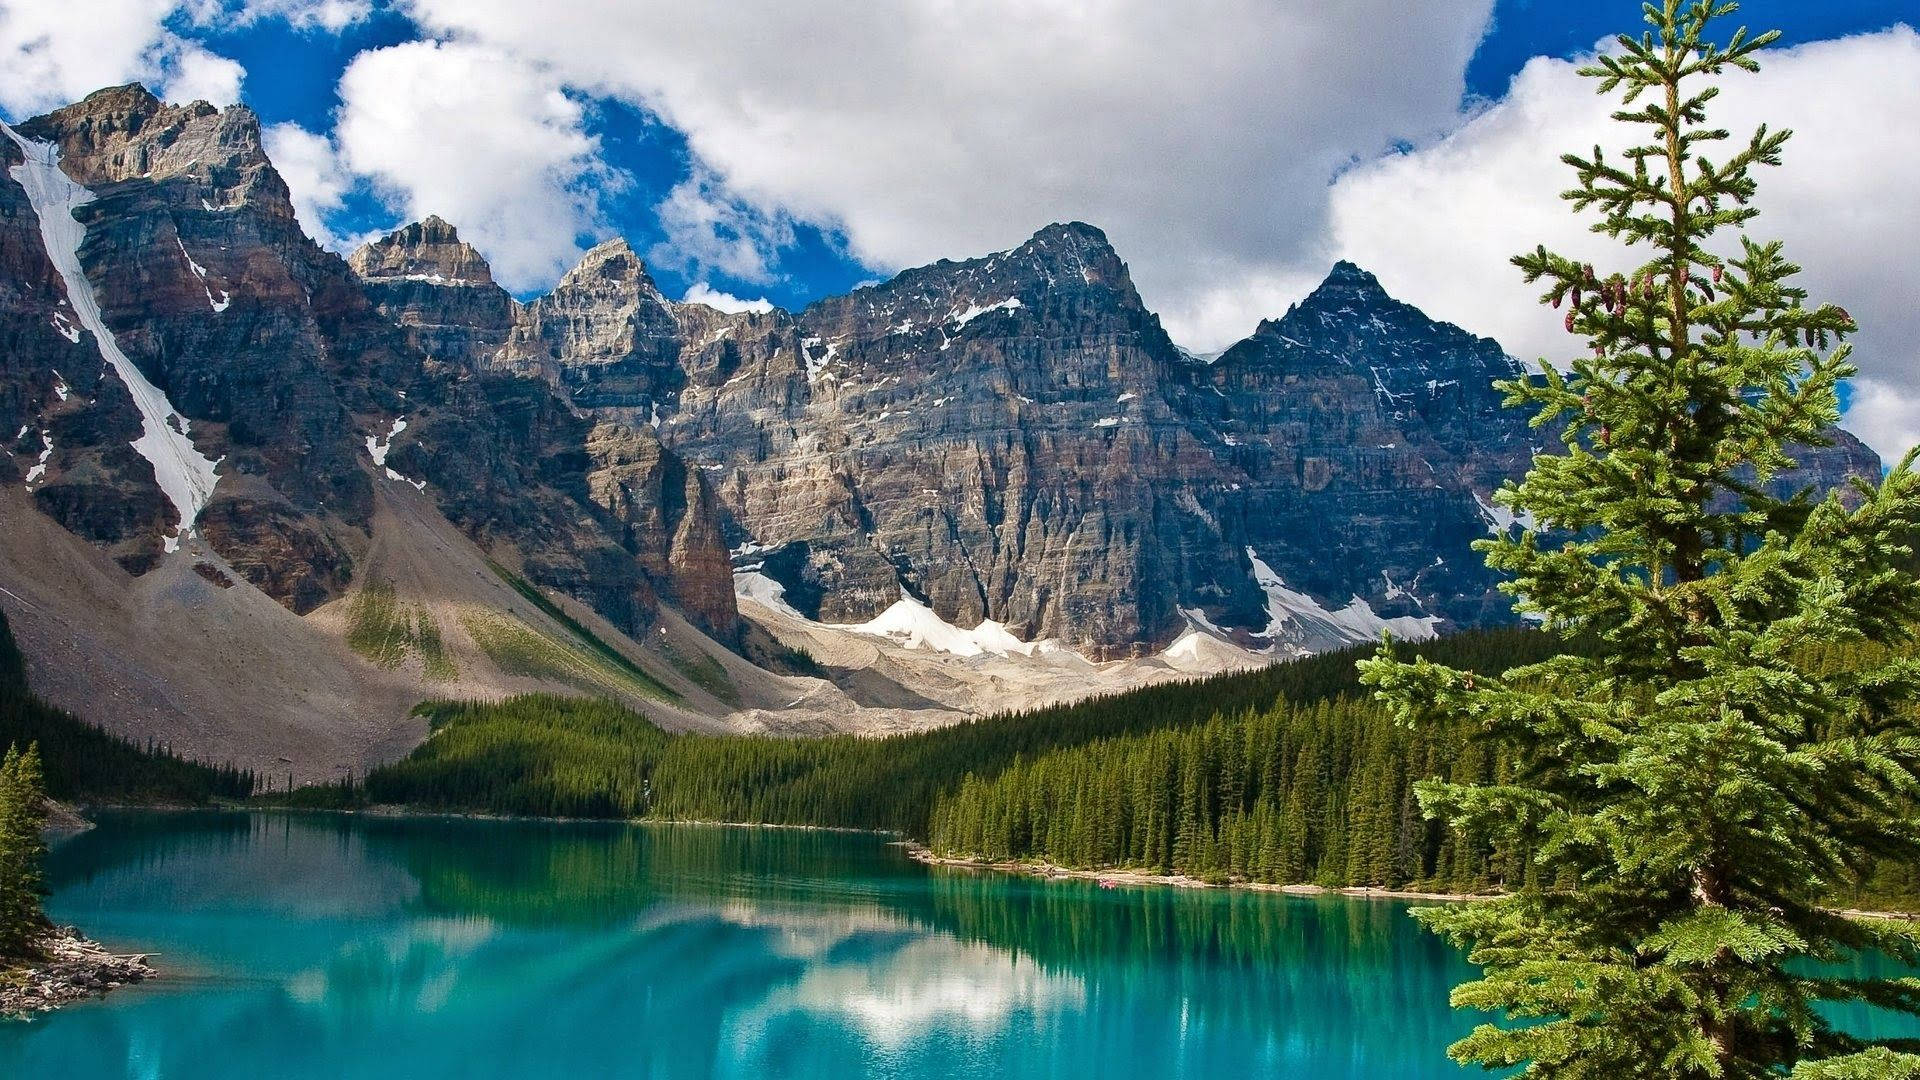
[{"x": 261, "y": 499}]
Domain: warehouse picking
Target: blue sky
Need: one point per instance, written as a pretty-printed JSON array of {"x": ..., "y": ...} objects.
[
  {"x": 1232, "y": 151},
  {"x": 292, "y": 75}
]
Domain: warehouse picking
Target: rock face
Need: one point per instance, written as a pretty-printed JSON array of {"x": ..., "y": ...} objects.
[
  {"x": 439, "y": 290},
  {"x": 604, "y": 336},
  {"x": 992, "y": 437},
  {"x": 1010, "y": 438},
  {"x": 1369, "y": 436},
  {"x": 513, "y": 453},
  {"x": 307, "y": 384},
  {"x": 1014, "y": 438}
]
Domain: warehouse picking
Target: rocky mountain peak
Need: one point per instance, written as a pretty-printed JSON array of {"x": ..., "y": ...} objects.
[
  {"x": 1062, "y": 250},
  {"x": 605, "y": 334},
  {"x": 1350, "y": 319},
  {"x": 125, "y": 132},
  {"x": 611, "y": 264},
  {"x": 430, "y": 250}
]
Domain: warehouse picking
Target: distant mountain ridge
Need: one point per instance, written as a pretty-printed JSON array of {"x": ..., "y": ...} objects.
[{"x": 1011, "y": 439}]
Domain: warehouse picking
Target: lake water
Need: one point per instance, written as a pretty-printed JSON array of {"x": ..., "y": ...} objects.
[{"x": 332, "y": 947}]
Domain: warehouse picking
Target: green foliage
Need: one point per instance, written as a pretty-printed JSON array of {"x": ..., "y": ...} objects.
[
  {"x": 538, "y": 754},
  {"x": 1691, "y": 791},
  {"x": 519, "y": 649},
  {"x": 505, "y": 758},
  {"x": 83, "y": 762},
  {"x": 23, "y": 814},
  {"x": 1297, "y": 794},
  {"x": 384, "y": 631},
  {"x": 601, "y": 657}
]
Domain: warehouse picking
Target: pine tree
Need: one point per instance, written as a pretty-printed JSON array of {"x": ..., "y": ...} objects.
[
  {"x": 22, "y": 817},
  {"x": 1690, "y": 792}
]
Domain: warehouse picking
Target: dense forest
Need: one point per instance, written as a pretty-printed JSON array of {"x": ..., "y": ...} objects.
[
  {"x": 83, "y": 762},
  {"x": 566, "y": 757},
  {"x": 1319, "y": 794},
  {"x": 1288, "y": 774}
]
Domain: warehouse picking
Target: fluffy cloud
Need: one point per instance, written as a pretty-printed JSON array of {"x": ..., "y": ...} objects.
[
  {"x": 56, "y": 51},
  {"x": 329, "y": 15},
  {"x": 311, "y": 166},
  {"x": 1439, "y": 224},
  {"x": 711, "y": 231},
  {"x": 485, "y": 139},
  {"x": 702, "y": 293},
  {"x": 1200, "y": 136}
]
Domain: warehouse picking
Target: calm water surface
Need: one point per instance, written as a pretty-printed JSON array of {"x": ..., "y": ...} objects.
[{"x": 320, "y": 946}]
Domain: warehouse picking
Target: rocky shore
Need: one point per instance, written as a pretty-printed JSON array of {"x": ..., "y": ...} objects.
[
  {"x": 75, "y": 968},
  {"x": 1112, "y": 877}
]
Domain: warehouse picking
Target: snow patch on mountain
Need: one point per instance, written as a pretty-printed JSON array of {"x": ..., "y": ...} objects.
[
  {"x": 959, "y": 319},
  {"x": 218, "y": 303},
  {"x": 184, "y": 475},
  {"x": 817, "y": 364},
  {"x": 913, "y": 625},
  {"x": 1500, "y": 520},
  {"x": 1297, "y": 618},
  {"x": 40, "y": 468},
  {"x": 378, "y": 445},
  {"x": 753, "y": 585}
]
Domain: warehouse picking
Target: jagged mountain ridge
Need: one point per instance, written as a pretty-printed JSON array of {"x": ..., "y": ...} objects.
[
  {"x": 1013, "y": 439},
  {"x": 1009, "y": 439},
  {"x": 308, "y": 384}
]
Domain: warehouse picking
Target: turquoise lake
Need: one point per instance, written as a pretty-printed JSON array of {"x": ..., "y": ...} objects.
[{"x": 327, "y": 947}]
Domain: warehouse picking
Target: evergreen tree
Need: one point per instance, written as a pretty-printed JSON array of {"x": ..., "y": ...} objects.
[
  {"x": 23, "y": 815},
  {"x": 1691, "y": 790}
]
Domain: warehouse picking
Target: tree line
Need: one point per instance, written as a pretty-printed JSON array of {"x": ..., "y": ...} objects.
[
  {"x": 567, "y": 757},
  {"x": 81, "y": 761}
]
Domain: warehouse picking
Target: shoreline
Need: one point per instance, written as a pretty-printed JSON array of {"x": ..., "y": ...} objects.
[
  {"x": 399, "y": 811},
  {"x": 1048, "y": 871},
  {"x": 76, "y": 968},
  {"x": 919, "y": 853}
]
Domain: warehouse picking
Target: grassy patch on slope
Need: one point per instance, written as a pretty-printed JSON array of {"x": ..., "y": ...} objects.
[
  {"x": 384, "y": 631},
  {"x": 607, "y": 656}
]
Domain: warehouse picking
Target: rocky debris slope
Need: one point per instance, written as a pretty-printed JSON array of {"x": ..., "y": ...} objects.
[{"x": 74, "y": 969}]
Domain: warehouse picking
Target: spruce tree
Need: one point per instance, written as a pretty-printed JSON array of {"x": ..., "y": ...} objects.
[
  {"x": 1692, "y": 791},
  {"x": 22, "y": 817}
]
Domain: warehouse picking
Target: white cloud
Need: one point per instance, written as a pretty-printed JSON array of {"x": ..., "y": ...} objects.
[
  {"x": 1200, "y": 136},
  {"x": 311, "y": 166},
  {"x": 57, "y": 51},
  {"x": 330, "y": 15},
  {"x": 709, "y": 230},
  {"x": 1887, "y": 416},
  {"x": 1438, "y": 225},
  {"x": 486, "y": 140},
  {"x": 702, "y": 293}
]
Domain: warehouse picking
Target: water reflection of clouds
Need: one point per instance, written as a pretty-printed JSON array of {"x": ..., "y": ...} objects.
[
  {"x": 417, "y": 965},
  {"x": 924, "y": 985}
]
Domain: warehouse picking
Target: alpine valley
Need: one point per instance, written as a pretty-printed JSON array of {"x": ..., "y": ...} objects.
[{"x": 258, "y": 500}]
